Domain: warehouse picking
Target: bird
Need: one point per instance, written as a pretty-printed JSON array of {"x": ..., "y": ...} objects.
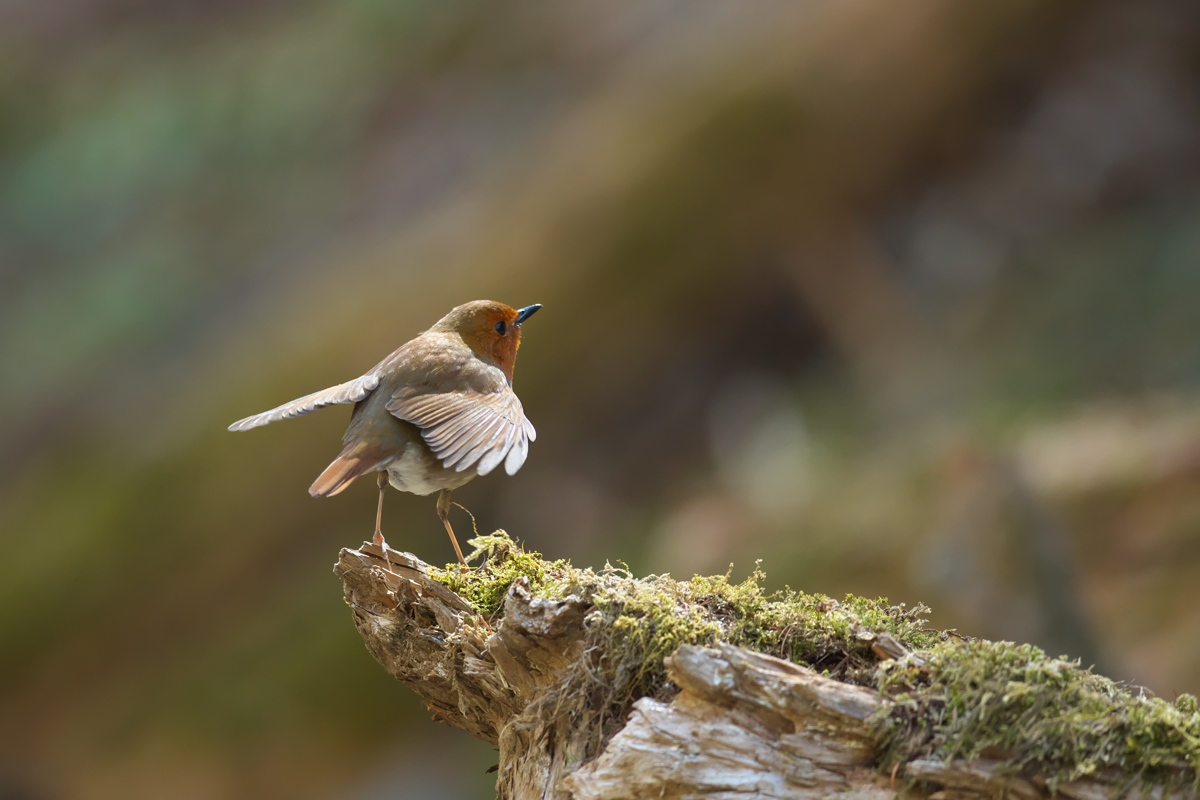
[{"x": 433, "y": 415}]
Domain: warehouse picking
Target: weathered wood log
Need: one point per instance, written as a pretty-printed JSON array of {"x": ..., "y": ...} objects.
[{"x": 725, "y": 722}]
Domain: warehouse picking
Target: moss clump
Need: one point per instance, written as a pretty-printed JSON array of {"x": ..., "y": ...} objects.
[
  {"x": 633, "y": 624},
  {"x": 485, "y": 587},
  {"x": 963, "y": 699},
  {"x": 952, "y": 698}
]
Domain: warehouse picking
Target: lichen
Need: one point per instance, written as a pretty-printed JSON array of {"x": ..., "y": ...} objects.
[
  {"x": 964, "y": 699},
  {"x": 951, "y": 698}
]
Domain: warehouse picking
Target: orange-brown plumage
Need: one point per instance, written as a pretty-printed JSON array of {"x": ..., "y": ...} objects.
[
  {"x": 432, "y": 415},
  {"x": 482, "y": 337}
]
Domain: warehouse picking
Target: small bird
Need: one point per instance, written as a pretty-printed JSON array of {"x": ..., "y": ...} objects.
[{"x": 432, "y": 415}]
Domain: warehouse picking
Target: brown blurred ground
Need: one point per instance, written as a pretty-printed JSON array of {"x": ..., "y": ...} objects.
[{"x": 901, "y": 302}]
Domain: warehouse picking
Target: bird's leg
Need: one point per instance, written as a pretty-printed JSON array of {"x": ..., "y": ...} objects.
[
  {"x": 382, "y": 482},
  {"x": 443, "y": 512}
]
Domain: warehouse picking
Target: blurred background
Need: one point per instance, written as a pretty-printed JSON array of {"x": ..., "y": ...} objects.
[{"x": 904, "y": 301}]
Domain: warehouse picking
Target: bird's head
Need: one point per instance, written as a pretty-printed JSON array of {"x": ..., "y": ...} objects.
[{"x": 492, "y": 330}]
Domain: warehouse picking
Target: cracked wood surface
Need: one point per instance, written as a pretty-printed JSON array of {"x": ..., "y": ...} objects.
[{"x": 742, "y": 725}]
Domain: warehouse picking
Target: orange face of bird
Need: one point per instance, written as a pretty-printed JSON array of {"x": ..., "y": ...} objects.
[{"x": 493, "y": 330}]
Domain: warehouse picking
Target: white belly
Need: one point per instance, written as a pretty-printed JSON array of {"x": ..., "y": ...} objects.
[
  {"x": 411, "y": 473},
  {"x": 418, "y": 472}
]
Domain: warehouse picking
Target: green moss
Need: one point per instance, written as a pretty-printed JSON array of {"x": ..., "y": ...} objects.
[
  {"x": 952, "y": 698},
  {"x": 504, "y": 561},
  {"x": 633, "y": 624},
  {"x": 964, "y": 699}
]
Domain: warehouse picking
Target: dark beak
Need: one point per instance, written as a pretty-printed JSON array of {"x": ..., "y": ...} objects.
[{"x": 527, "y": 312}]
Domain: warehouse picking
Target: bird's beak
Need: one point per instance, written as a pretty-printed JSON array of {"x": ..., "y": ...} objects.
[{"x": 527, "y": 312}]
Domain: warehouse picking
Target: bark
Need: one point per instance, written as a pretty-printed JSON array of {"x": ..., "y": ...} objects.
[{"x": 741, "y": 725}]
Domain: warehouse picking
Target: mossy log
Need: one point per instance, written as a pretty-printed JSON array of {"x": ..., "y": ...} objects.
[{"x": 569, "y": 674}]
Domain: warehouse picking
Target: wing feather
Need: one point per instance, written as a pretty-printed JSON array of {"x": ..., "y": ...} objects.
[
  {"x": 494, "y": 455},
  {"x": 348, "y": 392},
  {"x": 467, "y": 429},
  {"x": 479, "y": 445},
  {"x": 459, "y": 432},
  {"x": 429, "y": 409},
  {"x": 516, "y": 456}
]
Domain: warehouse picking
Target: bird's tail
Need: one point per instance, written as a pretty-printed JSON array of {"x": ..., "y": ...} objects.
[{"x": 350, "y": 464}]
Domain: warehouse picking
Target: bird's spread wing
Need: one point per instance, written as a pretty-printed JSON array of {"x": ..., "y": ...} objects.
[
  {"x": 467, "y": 428},
  {"x": 348, "y": 392}
]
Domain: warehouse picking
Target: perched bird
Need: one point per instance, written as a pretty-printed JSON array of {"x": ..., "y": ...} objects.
[{"x": 432, "y": 415}]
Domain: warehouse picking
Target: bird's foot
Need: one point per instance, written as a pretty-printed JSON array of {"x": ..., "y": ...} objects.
[{"x": 381, "y": 543}]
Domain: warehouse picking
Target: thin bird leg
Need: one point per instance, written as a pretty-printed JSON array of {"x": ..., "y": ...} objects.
[
  {"x": 382, "y": 482},
  {"x": 443, "y": 512}
]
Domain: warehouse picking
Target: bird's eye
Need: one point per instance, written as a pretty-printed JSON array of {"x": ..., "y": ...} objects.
[{"x": 501, "y": 328}]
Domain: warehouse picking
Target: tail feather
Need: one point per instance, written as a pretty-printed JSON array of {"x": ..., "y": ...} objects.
[{"x": 341, "y": 473}]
